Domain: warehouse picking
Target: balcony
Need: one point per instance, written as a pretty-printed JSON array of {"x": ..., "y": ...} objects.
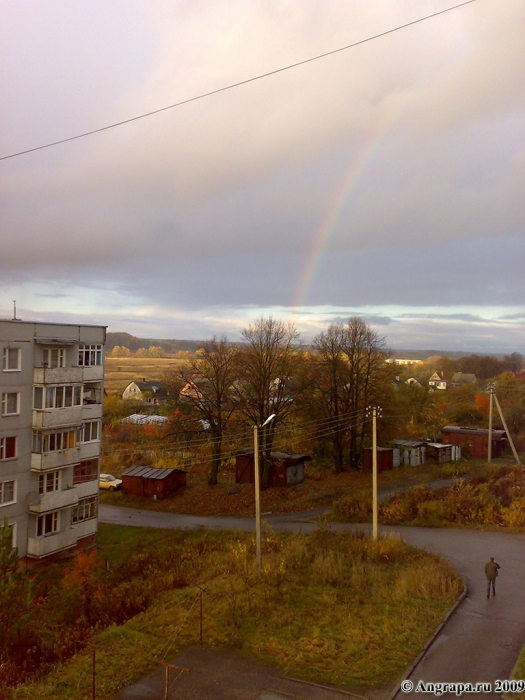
[
  {"x": 91, "y": 411},
  {"x": 57, "y": 375},
  {"x": 64, "y": 458},
  {"x": 55, "y": 500},
  {"x": 43, "y": 546},
  {"x": 56, "y": 460},
  {"x": 58, "y": 417}
]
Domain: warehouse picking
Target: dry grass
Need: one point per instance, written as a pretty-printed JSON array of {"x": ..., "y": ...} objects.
[
  {"x": 332, "y": 608},
  {"x": 120, "y": 371}
]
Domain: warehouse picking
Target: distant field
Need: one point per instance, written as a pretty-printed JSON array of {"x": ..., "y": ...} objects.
[{"x": 120, "y": 371}]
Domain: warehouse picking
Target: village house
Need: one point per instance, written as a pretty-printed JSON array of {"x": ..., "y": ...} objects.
[
  {"x": 437, "y": 381},
  {"x": 152, "y": 392}
]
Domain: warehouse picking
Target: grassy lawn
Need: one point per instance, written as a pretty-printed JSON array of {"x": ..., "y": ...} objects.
[{"x": 333, "y": 608}]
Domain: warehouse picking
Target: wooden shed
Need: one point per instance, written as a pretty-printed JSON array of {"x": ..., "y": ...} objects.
[
  {"x": 385, "y": 459},
  {"x": 411, "y": 452},
  {"x": 476, "y": 439},
  {"x": 440, "y": 452},
  {"x": 152, "y": 482},
  {"x": 285, "y": 469}
]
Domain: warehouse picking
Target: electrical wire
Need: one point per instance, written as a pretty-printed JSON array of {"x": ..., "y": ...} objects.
[{"x": 237, "y": 84}]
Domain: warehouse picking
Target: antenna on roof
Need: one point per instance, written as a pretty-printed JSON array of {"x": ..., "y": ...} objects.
[{"x": 14, "y": 311}]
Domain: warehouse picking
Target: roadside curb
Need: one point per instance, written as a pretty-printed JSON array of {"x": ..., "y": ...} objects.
[
  {"x": 509, "y": 696},
  {"x": 430, "y": 641}
]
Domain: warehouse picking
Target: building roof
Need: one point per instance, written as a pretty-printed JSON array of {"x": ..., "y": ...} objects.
[
  {"x": 149, "y": 472},
  {"x": 143, "y": 419},
  {"x": 496, "y": 434},
  {"x": 463, "y": 378}
]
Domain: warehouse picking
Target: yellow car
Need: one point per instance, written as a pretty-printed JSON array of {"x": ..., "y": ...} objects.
[{"x": 108, "y": 481}]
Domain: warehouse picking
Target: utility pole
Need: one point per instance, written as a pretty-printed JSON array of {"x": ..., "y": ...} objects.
[
  {"x": 516, "y": 457},
  {"x": 490, "y": 388},
  {"x": 375, "y": 505},
  {"x": 257, "y": 480}
]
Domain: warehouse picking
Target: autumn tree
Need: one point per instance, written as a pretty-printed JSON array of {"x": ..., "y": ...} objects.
[
  {"x": 351, "y": 373},
  {"x": 210, "y": 376},
  {"x": 267, "y": 383}
]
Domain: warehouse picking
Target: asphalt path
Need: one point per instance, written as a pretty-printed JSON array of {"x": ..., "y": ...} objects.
[{"x": 479, "y": 643}]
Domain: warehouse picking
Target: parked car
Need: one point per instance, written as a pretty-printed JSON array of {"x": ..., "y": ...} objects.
[{"x": 108, "y": 481}]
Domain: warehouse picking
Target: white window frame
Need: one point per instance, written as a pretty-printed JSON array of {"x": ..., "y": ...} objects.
[
  {"x": 86, "y": 509},
  {"x": 3, "y": 447},
  {"x": 41, "y": 523},
  {"x": 90, "y": 355},
  {"x": 3, "y": 494},
  {"x": 6, "y": 360},
  {"x": 88, "y": 428},
  {"x": 51, "y": 396},
  {"x": 49, "y": 482},
  {"x": 54, "y": 358},
  {"x": 5, "y": 400}
]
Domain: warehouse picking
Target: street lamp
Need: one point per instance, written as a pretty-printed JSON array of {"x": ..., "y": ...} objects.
[{"x": 258, "y": 549}]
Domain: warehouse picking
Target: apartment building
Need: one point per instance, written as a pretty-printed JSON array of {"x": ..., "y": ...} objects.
[{"x": 52, "y": 387}]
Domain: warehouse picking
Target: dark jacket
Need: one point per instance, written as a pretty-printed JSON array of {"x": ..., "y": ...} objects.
[{"x": 491, "y": 569}]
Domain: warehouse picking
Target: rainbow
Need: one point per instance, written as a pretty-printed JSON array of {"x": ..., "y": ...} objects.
[{"x": 344, "y": 192}]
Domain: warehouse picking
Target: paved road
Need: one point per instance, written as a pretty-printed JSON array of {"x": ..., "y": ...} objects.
[{"x": 479, "y": 643}]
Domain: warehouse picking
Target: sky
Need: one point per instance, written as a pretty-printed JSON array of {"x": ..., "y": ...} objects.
[{"x": 384, "y": 181}]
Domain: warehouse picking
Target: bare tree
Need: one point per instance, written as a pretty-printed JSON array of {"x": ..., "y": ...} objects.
[
  {"x": 350, "y": 374},
  {"x": 210, "y": 377},
  {"x": 267, "y": 383}
]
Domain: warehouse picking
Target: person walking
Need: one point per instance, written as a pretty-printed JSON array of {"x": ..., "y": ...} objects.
[{"x": 491, "y": 571}]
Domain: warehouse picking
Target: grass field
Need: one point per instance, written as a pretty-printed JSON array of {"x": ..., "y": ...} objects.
[
  {"x": 332, "y": 608},
  {"x": 120, "y": 371}
]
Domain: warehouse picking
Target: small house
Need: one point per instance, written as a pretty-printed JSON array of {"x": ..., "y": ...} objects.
[
  {"x": 476, "y": 439},
  {"x": 152, "y": 392},
  {"x": 411, "y": 452},
  {"x": 385, "y": 459},
  {"x": 152, "y": 482},
  {"x": 437, "y": 381},
  {"x": 285, "y": 469},
  {"x": 463, "y": 379}
]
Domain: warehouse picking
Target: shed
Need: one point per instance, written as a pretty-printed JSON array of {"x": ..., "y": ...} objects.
[
  {"x": 440, "y": 452},
  {"x": 285, "y": 469},
  {"x": 477, "y": 439},
  {"x": 152, "y": 482},
  {"x": 385, "y": 459},
  {"x": 411, "y": 452}
]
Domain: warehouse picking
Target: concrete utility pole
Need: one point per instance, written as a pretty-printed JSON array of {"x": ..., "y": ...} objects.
[
  {"x": 490, "y": 388},
  {"x": 375, "y": 505},
  {"x": 257, "y": 480}
]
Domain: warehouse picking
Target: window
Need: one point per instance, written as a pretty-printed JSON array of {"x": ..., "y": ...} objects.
[
  {"x": 53, "y": 442},
  {"x": 7, "y": 492},
  {"x": 85, "y": 471},
  {"x": 57, "y": 396},
  {"x": 11, "y": 360},
  {"x": 86, "y": 509},
  {"x": 47, "y": 524},
  {"x": 49, "y": 482},
  {"x": 91, "y": 431},
  {"x": 89, "y": 355},
  {"x": 54, "y": 357},
  {"x": 10, "y": 404},
  {"x": 8, "y": 447}
]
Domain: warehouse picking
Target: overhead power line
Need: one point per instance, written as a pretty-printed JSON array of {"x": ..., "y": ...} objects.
[{"x": 238, "y": 84}]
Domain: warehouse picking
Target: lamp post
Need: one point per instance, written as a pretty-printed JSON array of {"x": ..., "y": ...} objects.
[{"x": 257, "y": 476}]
